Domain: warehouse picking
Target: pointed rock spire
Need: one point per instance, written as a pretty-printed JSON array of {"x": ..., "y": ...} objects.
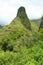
[{"x": 24, "y": 18}]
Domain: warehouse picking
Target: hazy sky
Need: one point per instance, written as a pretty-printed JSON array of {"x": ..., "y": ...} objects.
[{"x": 8, "y": 9}]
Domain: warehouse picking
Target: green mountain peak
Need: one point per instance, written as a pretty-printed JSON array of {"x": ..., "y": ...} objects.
[
  {"x": 23, "y": 17},
  {"x": 21, "y": 10}
]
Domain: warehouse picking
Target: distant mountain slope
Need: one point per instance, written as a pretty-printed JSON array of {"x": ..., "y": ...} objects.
[
  {"x": 37, "y": 21},
  {"x": 1, "y": 26}
]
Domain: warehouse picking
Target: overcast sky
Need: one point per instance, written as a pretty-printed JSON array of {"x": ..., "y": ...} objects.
[{"x": 8, "y": 9}]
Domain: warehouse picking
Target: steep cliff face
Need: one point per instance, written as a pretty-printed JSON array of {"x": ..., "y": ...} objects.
[
  {"x": 24, "y": 19},
  {"x": 41, "y": 24}
]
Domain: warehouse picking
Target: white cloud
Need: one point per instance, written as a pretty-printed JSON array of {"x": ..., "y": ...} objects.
[{"x": 34, "y": 12}]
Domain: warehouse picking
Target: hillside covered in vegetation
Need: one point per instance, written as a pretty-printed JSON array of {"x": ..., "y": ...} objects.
[{"x": 21, "y": 42}]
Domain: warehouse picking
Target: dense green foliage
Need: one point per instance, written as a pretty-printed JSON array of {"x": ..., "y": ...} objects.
[{"x": 19, "y": 45}]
